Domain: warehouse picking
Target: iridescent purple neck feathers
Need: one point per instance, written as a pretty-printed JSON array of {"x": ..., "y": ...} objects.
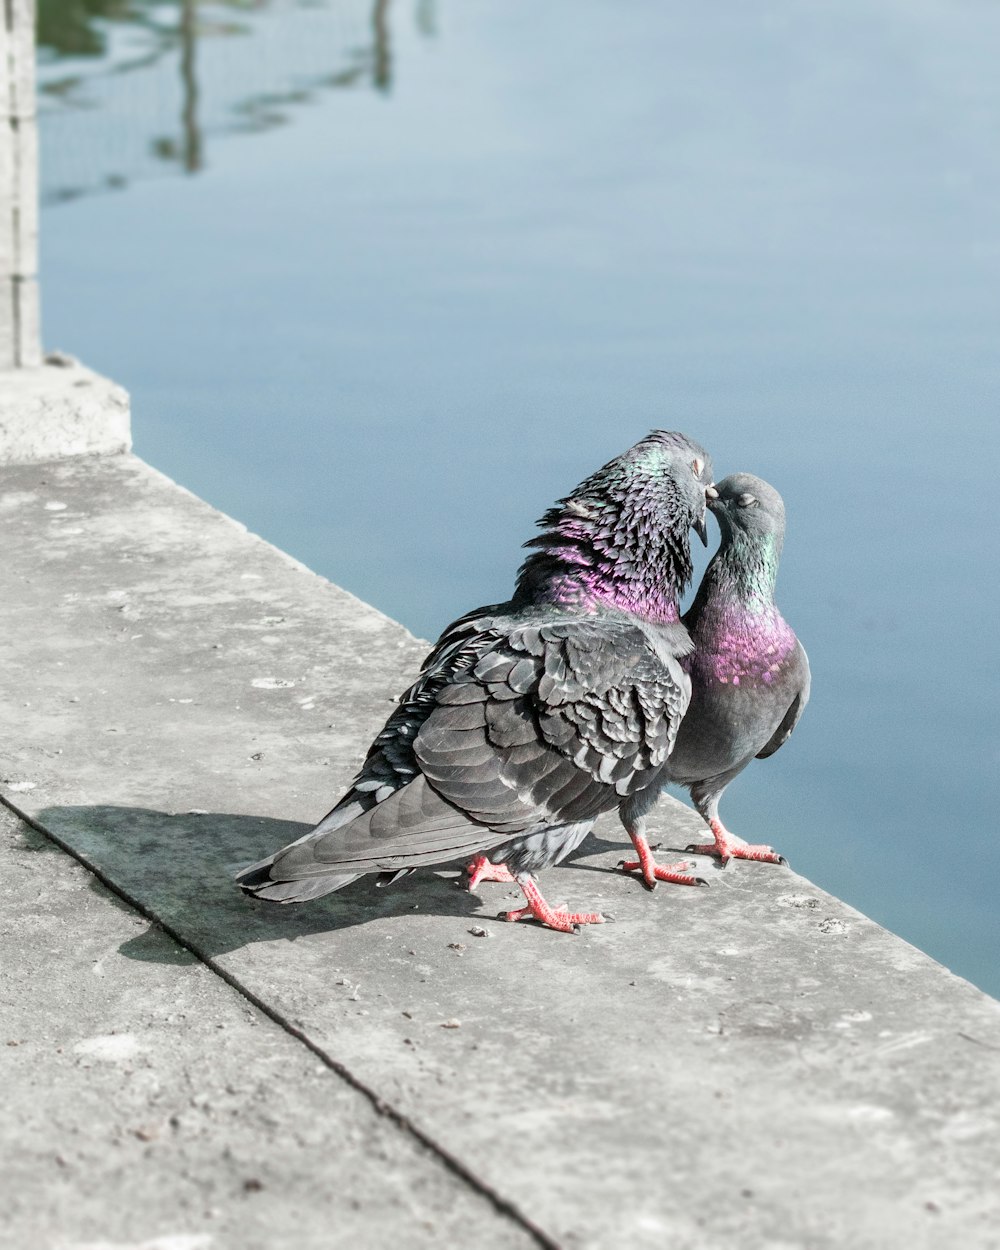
[
  {"x": 620, "y": 541},
  {"x": 735, "y": 645},
  {"x": 740, "y": 636}
]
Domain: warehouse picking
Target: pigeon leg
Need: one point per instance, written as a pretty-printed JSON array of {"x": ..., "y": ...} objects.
[
  {"x": 728, "y": 846},
  {"x": 553, "y": 917},
  {"x": 651, "y": 870},
  {"x": 482, "y": 870}
]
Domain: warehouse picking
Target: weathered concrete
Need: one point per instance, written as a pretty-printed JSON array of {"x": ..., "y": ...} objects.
[
  {"x": 147, "y": 1101},
  {"x": 61, "y": 409},
  {"x": 751, "y": 1065}
]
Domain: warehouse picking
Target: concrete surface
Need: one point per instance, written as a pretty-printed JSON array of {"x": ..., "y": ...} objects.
[
  {"x": 749, "y": 1065},
  {"x": 147, "y": 1101},
  {"x": 59, "y": 409}
]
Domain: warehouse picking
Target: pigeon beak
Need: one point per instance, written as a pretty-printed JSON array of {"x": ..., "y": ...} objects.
[{"x": 699, "y": 526}]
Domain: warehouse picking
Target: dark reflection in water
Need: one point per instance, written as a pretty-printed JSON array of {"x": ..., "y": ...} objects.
[
  {"x": 192, "y": 157},
  {"x": 387, "y": 333},
  {"x": 382, "y": 67},
  {"x": 68, "y": 26},
  {"x": 111, "y": 73}
]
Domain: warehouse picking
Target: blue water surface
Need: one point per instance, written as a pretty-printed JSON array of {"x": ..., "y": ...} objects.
[{"x": 431, "y": 264}]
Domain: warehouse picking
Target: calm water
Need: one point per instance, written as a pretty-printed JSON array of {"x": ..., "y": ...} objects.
[{"x": 384, "y": 280}]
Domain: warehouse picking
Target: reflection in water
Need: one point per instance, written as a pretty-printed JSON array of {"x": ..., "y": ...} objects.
[
  {"x": 382, "y": 73},
  {"x": 426, "y": 17},
  {"x": 118, "y": 81},
  {"x": 189, "y": 117},
  {"x": 68, "y": 27}
]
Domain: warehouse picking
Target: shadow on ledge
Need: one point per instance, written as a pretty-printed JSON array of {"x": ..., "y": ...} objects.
[{"x": 180, "y": 867}]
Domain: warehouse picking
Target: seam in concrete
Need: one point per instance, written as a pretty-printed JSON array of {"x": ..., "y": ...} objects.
[{"x": 454, "y": 1165}]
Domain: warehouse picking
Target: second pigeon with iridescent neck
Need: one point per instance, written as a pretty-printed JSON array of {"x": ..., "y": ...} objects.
[{"x": 749, "y": 673}]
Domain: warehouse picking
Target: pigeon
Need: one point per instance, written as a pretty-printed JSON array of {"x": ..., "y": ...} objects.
[
  {"x": 749, "y": 673},
  {"x": 530, "y": 718}
]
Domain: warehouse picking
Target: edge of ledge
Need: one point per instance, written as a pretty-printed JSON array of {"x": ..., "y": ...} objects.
[{"x": 61, "y": 409}]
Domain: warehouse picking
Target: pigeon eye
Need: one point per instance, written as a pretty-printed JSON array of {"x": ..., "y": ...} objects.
[
  {"x": 698, "y": 466},
  {"x": 747, "y": 501}
]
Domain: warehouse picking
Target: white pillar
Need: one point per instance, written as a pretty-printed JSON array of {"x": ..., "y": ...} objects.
[{"x": 20, "y": 335}]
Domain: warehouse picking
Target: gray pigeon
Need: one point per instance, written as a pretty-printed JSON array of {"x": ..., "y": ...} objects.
[
  {"x": 749, "y": 673},
  {"x": 530, "y": 718}
]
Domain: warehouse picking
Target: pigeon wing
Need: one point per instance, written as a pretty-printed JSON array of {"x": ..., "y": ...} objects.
[
  {"x": 508, "y": 730},
  {"x": 795, "y": 708},
  {"x": 563, "y": 720}
]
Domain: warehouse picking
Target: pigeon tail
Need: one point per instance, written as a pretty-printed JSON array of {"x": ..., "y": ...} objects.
[{"x": 258, "y": 883}]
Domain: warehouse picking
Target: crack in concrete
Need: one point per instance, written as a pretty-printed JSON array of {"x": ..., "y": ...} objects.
[{"x": 503, "y": 1206}]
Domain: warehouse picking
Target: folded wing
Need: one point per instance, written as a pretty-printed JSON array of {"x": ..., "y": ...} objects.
[{"x": 511, "y": 727}]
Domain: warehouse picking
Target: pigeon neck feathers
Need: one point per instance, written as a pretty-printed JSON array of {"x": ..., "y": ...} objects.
[
  {"x": 620, "y": 540},
  {"x": 740, "y": 636},
  {"x": 745, "y": 569}
]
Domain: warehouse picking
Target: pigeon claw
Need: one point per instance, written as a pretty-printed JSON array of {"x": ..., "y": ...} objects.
[
  {"x": 727, "y": 846},
  {"x": 553, "y": 917},
  {"x": 557, "y": 918},
  {"x": 482, "y": 870},
  {"x": 652, "y": 871},
  {"x": 675, "y": 873}
]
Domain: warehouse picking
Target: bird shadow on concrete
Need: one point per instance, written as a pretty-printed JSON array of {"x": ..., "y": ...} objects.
[{"x": 179, "y": 867}]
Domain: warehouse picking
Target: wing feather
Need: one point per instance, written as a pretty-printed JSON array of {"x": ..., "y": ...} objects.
[
  {"x": 512, "y": 727},
  {"x": 795, "y": 708},
  {"x": 602, "y": 695}
]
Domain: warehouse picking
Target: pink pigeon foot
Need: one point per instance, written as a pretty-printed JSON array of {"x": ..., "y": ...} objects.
[
  {"x": 728, "y": 846},
  {"x": 652, "y": 871},
  {"x": 553, "y": 917},
  {"x": 482, "y": 870}
]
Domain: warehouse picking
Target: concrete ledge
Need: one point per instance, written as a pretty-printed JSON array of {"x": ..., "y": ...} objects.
[
  {"x": 153, "y": 1079},
  {"x": 753, "y": 1065},
  {"x": 61, "y": 409}
]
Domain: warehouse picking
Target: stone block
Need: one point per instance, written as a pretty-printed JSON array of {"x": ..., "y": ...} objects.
[{"x": 61, "y": 409}]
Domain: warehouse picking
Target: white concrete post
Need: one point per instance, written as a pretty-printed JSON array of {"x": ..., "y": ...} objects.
[
  {"x": 20, "y": 336},
  {"x": 59, "y": 408}
]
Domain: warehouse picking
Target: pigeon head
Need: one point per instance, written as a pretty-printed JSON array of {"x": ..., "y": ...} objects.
[
  {"x": 751, "y": 517},
  {"x": 745, "y": 505},
  {"x": 621, "y": 539},
  {"x": 740, "y": 636}
]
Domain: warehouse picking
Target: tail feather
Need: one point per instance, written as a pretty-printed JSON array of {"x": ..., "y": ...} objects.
[
  {"x": 412, "y": 827},
  {"x": 258, "y": 882}
]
